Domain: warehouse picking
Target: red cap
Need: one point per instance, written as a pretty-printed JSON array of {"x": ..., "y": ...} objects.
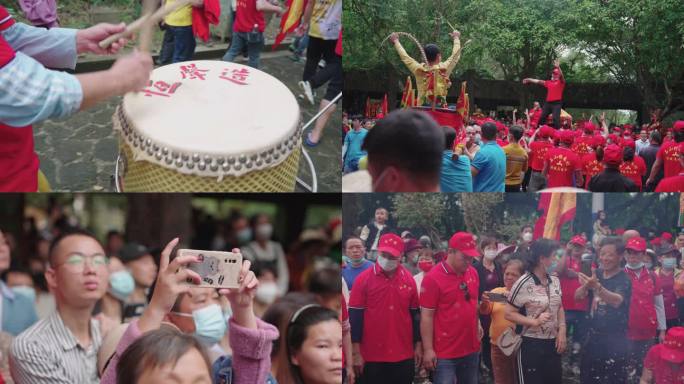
[
  {"x": 619, "y": 231},
  {"x": 629, "y": 143},
  {"x": 579, "y": 240},
  {"x": 673, "y": 345},
  {"x": 567, "y": 136},
  {"x": 411, "y": 245},
  {"x": 589, "y": 126},
  {"x": 617, "y": 129},
  {"x": 666, "y": 236},
  {"x": 545, "y": 131},
  {"x": 598, "y": 141},
  {"x": 556, "y": 135},
  {"x": 464, "y": 242},
  {"x": 657, "y": 241},
  {"x": 637, "y": 244},
  {"x": 678, "y": 126},
  {"x": 392, "y": 244},
  {"x": 612, "y": 155}
]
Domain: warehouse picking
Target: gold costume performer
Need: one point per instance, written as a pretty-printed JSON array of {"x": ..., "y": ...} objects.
[{"x": 432, "y": 78}]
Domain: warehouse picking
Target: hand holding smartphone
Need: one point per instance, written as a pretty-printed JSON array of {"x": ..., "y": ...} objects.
[{"x": 216, "y": 269}]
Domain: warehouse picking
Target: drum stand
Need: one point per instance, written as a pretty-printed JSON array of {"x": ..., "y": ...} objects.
[{"x": 314, "y": 178}]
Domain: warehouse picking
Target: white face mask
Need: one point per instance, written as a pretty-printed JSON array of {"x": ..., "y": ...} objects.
[
  {"x": 490, "y": 254},
  {"x": 267, "y": 292},
  {"x": 527, "y": 236},
  {"x": 636, "y": 266},
  {"x": 386, "y": 264},
  {"x": 264, "y": 231}
]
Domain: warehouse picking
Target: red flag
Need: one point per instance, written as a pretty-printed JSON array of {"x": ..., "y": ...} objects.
[
  {"x": 290, "y": 20},
  {"x": 559, "y": 208},
  {"x": 384, "y": 106},
  {"x": 408, "y": 89}
]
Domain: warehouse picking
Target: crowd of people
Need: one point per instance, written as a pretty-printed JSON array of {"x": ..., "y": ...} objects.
[
  {"x": 408, "y": 151},
  {"x": 608, "y": 306},
  {"x": 82, "y": 311}
]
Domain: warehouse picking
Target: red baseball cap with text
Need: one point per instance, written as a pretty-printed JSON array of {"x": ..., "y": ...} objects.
[
  {"x": 392, "y": 244},
  {"x": 636, "y": 244}
]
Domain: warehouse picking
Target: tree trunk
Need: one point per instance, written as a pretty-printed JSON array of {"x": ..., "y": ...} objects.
[{"x": 155, "y": 219}]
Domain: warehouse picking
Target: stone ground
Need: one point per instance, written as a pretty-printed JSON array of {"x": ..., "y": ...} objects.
[{"x": 78, "y": 153}]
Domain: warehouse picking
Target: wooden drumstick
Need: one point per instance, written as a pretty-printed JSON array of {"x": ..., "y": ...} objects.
[{"x": 139, "y": 23}]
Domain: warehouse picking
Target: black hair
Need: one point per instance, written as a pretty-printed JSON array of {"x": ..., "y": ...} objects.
[
  {"x": 489, "y": 131},
  {"x": 407, "y": 139},
  {"x": 113, "y": 232},
  {"x": 517, "y": 132},
  {"x": 156, "y": 348},
  {"x": 72, "y": 232},
  {"x": 617, "y": 241},
  {"x": 656, "y": 137},
  {"x": 344, "y": 243},
  {"x": 431, "y": 52},
  {"x": 628, "y": 154},
  {"x": 259, "y": 268},
  {"x": 678, "y": 136},
  {"x": 599, "y": 153},
  {"x": 538, "y": 249},
  {"x": 449, "y": 137},
  {"x": 524, "y": 227},
  {"x": 253, "y": 220},
  {"x": 298, "y": 331},
  {"x": 325, "y": 281}
]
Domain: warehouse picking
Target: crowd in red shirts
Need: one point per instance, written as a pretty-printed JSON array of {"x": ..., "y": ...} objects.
[{"x": 610, "y": 307}]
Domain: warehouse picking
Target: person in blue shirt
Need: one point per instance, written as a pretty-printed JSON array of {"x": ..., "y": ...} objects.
[
  {"x": 352, "y": 146},
  {"x": 455, "y": 175},
  {"x": 357, "y": 263},
  {"x": 489, "y": 164},
  {"x": 17, "y": 309}
]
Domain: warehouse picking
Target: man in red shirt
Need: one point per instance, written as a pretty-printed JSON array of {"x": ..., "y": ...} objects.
[
  {"x": 668, "y": 154},
  {"x": 664, "y": 362},
  {"x": 575, "y": 310},
  {"x": 534, "y": 114},
  {"x": 674, "y": 183},
  {"x": 449, "y": 324},
  {"x": 584, "y": 141},
  {"x": 384, "y": 316},
  {"x": 562, "y": 164},
  {"x": 592, "y": 164},
  {"x": 646, "y": 308},
  {"x": 538, "y": 149},
  {"x": 554, "y": 94}
]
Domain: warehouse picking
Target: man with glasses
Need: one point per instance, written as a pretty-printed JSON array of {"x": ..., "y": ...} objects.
[
  {"x": 449, "y": 322},
  {"x": 63, "y": 347}
]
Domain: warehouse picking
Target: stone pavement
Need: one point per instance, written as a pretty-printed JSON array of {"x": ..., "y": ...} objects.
[{"x": 78, "y": 153}]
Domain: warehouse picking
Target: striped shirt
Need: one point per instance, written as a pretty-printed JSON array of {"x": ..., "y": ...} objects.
[
  {"x": 48, "y": 353},
  {"x": 529, "y": 293}
]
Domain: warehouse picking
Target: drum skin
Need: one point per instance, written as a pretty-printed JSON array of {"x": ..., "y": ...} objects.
[{"x": 143, "y": 176}]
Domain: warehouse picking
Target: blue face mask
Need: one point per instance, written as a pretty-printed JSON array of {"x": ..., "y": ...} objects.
[
  {"x": 23, "y": 290},
  {"x": 551, "y": 268},
  {"x": 669, "y": 263},
  {"x": 210, "y": 323},
  {"x": 244, "y": 236},
  {"x": 122, "y": 284}
]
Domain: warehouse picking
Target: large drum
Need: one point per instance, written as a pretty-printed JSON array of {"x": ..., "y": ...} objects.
[{"x": 209, "y": 126}]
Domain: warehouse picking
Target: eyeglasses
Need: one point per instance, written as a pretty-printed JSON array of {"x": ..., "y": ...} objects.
[
  {"x": 464, "y": 287},
  {"x": 76, "y": 261}
]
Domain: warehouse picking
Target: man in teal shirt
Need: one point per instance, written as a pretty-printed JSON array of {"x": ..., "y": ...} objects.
[
  {"x": 489, "y": 165},
  {"x": 352, "y": 146},
  {"x": 455, "y": 175}
]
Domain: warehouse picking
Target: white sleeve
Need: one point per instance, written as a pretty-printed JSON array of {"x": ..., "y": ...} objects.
[{"x": 660, "y": 312}]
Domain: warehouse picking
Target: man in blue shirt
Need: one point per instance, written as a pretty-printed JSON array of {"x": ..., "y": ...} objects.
[
  {"x": 355, "y": 252},
  {"x": 489, "y": 165},
  {"x": 17, "y": 311},
  {"x": 352, "y": 146},
  {"x": 455, "y": 175}
]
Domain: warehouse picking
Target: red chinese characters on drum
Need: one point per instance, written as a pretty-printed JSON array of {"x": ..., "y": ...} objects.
[
  {"x": 160, "y": 88},
  {"x": 191, "y": 72},
  {"x": 237, "y": 76}
]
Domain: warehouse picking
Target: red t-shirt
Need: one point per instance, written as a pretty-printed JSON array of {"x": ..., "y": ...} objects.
[
  {"x": 554, "y": 89},
  {"x": 582, "y": 145},
  {"x": 387, "y": 326},
  {"x": 538, "y": 151},
  {"x": 534, "y": 117},
  {"x": 246, "y": 15},
  {"x": 562, "y": 165},
  {"x": 671, "y": 184},
  {"x": 634, "y": 170},
  {"x": 666, "y": 283},
  {"x": 669, "y": 153},
  {"x": 663, "y": 371},
  {"x": 455, "y": 318},
  {"x": 590, "y": 167},
  {"x": 642, "y": 324},
  {"x": 568, "y": 287}
]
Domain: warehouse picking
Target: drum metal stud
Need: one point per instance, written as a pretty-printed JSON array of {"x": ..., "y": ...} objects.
[
  {"x": 155, "y": 147},
  {"x": 179, "y": 163},
  {"x": 158, "y": 156},
  {"x": 231, "y": 160},
  {"x": 148, "y": 142},
  {"x": 149, "y": 151},
  {"x": 175, "y": 155},
  {"x": 259, "y": 163},
  {"x": 195, "y": 157},
  {"x": 202, "y": 166},
  {"x": 168, "y": 160},
  {"x": 270, "y": 151},
  {"x": 243, "y": 159},
  {"x": 190, "y": 165},
  {"x": 268, "y": 159},
  {"x": 276, "y": 156},
  {"x": 208, "y": 159},
  {"x": 221, "y": 160},
  {"x": 214, "y": 167},
  {"x": 185, "y": 157},
  {"x": 225, "y": 167},
  {"x": 253, "y": 157},
  {"x": 165, "y": 151},
  {"x": 238, "y": 167}
]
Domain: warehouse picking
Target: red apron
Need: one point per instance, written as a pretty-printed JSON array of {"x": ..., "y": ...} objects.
[
  {"x": 18, "y": 162},
  {"x": 642, "y": 314}
]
